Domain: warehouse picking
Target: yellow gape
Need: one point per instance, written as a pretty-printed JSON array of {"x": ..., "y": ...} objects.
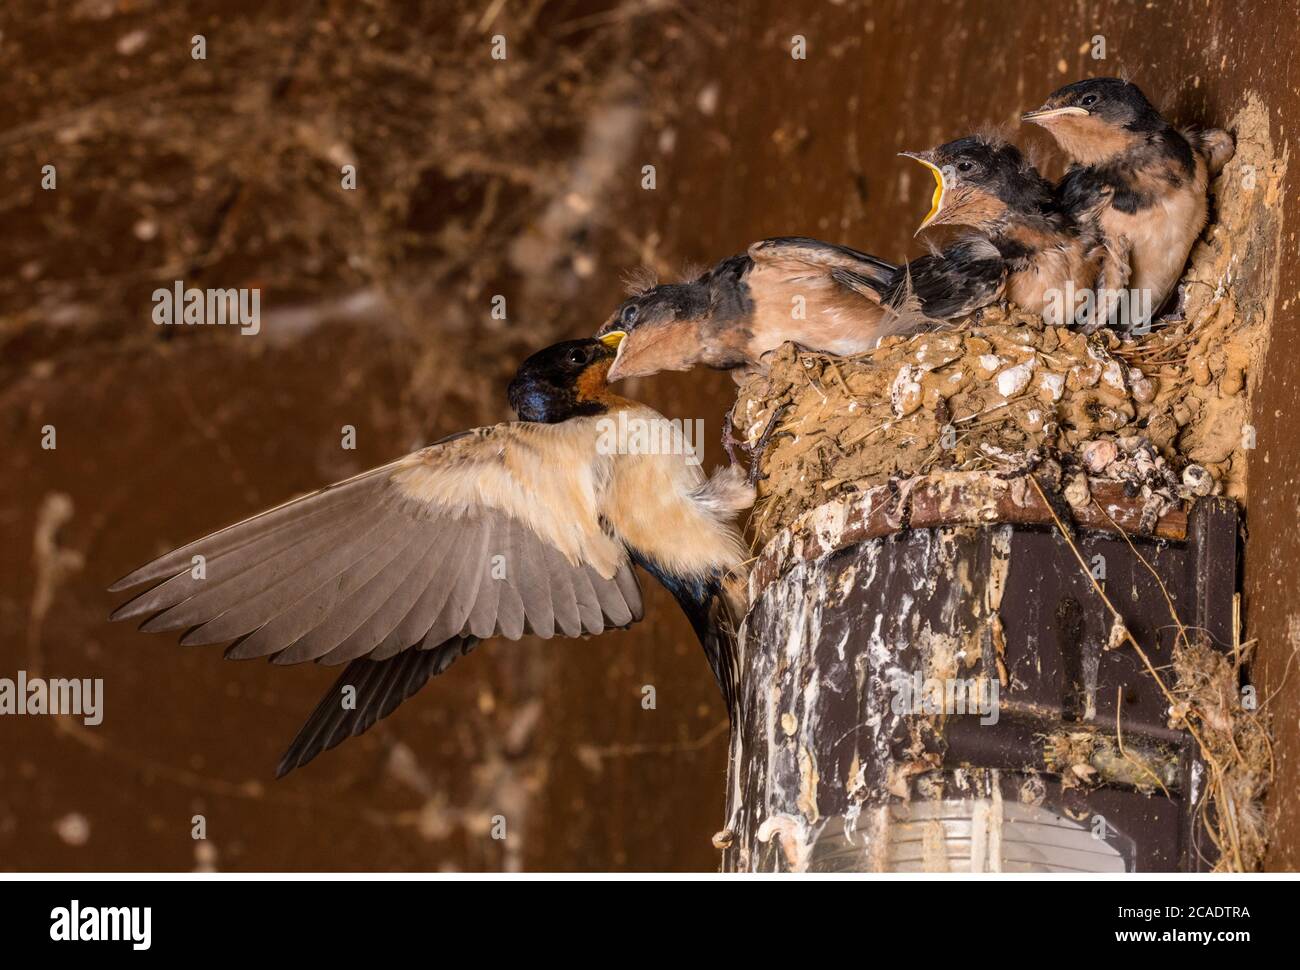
[
  {"x": 613, "y": 339},
  {"x": 936, "y": 201}
]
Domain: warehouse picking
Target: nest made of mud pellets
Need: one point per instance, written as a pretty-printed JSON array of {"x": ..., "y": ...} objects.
[
  {"x": 1154, "y": 412},
  {"x": 948, "y": 423}
]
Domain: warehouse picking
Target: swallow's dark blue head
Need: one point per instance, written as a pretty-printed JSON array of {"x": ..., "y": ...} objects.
[{"x": 563, "y": 381}]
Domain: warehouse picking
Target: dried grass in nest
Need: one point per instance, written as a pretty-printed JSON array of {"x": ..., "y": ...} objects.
[
  {"x": 1205, "y": 700},
  {"x": 963, "y": 399},
  {"x": 1235, "y": 743},
  {"x": 853, "y": 423}
]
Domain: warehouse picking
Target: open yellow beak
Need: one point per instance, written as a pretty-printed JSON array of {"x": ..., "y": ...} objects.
[
  {"x": 936, "y": 201},
  {"x": 613, "y": 339},
  {"x": 1047, "y": 114}
]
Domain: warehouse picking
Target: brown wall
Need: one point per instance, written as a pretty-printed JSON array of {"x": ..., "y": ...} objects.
[{"x": 162, "y": 440}]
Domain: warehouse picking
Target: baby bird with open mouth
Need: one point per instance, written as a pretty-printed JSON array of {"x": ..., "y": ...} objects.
[
  {"x": 825, "y": 297},
  {"x": 819, "y": 295},
  {"x": 791, "y": 288},
  {"x": 1045, "y": 254}
]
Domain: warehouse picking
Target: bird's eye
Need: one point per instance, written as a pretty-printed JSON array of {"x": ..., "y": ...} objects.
[
  {"x": 629, "y": 313},
  {"x": 965, "y": 166},
  {"x": 1088, "y": 100},
  {"x": 579, "y": 355}
]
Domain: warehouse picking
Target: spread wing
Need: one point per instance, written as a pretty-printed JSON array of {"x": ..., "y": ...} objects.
[
  {"x": 800, "y": 255},
  {"x": 464, "y": 538}
]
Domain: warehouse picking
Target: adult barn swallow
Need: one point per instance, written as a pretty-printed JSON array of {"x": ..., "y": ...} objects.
[
  {"x": 819, "y": 295},
  {"x": 531, "y": 526},
  {"x": 1141, "y": 179},
  {"x": 987, "y": 185}
]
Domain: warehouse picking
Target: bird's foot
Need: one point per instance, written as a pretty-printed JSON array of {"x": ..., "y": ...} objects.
[
  {"x": 760, "y": 446},
  {"x": 729, "y": 439}
]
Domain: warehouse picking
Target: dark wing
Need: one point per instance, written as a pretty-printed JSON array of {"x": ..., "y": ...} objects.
[
  {"x": 377, "y": 686},
  {"x": 966, "y": 276},
  {"x": 461, "y": 539},
  {"x": 719, "y": 642},
  {"x": 1083, "y": 191},
  {"x": 798, "y": 255}
]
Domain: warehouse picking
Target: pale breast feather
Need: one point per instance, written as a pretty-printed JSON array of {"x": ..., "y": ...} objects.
[
  {"x": 1160, "y": 237},
  {"x": 546, "y": 475},
  {"x": 658, "y": 505}
]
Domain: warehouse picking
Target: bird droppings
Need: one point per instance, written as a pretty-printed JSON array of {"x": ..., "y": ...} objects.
[
  {"x": 1085, "y": 759},
  {"x": 952, "y": 421},
  {"x": 791, "y": 832},
  {"x": 1093, "y": 399}
]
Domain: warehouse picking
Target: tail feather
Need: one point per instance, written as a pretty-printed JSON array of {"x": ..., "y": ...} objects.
[
  {"x": 378, "y": 687},
  {"x": 1215, "y": 145},
  {"x": 722, "y": 648}
]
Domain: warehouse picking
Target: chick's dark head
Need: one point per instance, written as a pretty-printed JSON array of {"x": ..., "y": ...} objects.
[
  {"x": 662, "y": 304},
  {"x": 1098, "y": 118},
  {"x": 662, "y": 326},
  {"x": 565, "y": 380},
  {"x": 979, "y": 182}
]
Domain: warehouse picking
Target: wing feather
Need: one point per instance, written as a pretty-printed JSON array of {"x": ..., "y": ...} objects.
[
  {"x": 380, "y": 687},
  {"x": 390, "y": 614},
  {"x": 357, "y": 488},
  {"x": 304, "y": 616},
  {"x": 244, "y": 602},
  {"x": 464, "y": 539},
  {"x": 362, "y": 602},
  {"x": 801, "y": 253}
]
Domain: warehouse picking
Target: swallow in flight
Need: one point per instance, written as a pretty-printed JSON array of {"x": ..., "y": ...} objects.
[{"x": 525, "y": 527}]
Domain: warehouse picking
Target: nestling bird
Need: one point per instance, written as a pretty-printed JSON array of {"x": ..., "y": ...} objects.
[
  {"x": 1143, "y": 181},
  {"x": 789, "y": 288},
  {"x": 988, "y": 186},
  {"x": 530, "y": 526}
]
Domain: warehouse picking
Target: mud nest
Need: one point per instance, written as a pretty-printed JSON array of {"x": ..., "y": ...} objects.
[
  {"x": 984, "y": 393},
  {"x": 1166, "y": 412}
]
